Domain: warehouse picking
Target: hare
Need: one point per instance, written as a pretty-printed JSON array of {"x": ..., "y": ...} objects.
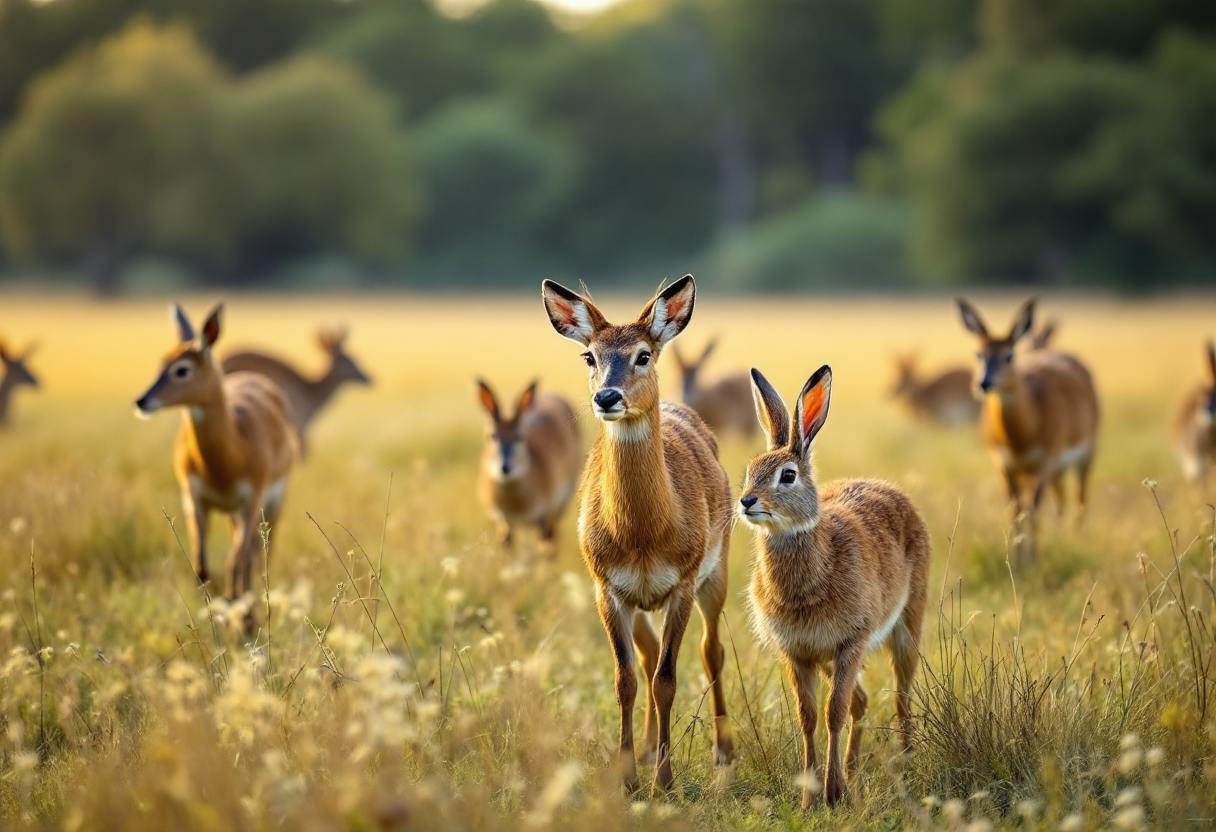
[{"x": 838, "y": 572}]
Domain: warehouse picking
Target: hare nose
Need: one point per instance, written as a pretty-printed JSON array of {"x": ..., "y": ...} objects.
[{"x": 748, "y": 501}]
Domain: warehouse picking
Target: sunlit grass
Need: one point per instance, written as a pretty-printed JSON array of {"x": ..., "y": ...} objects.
[{"x": 482, "y": 696}]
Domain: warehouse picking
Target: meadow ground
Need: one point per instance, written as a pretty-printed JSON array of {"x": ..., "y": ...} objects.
[{"x": 406, "y": 674}]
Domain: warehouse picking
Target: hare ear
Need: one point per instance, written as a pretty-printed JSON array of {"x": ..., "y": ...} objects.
[
  {"x": 1212, "y": 359},
  {"x": 526, "y": 398},
  {"x": 670, "y": 311},
  {"x": 771, "y": 412},
  {"x": 971, "y": 319},
  {"x": 812, "y": 410},
  {"x": 487, "y": 399},
  {"x": 572, "y": 315},
  {"x": 185, "y": 330},
  {"x": 1024, "y": 323}
]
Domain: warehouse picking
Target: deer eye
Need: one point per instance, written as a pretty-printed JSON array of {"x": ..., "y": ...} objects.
[
  {"x": 643, "y": 358},
  {"x": 181, "y": 371},
  {"x": 788, "y": 475},
  {"x": 589, "y": 358}
]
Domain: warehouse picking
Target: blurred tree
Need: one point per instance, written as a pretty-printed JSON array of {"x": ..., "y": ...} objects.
[
  {"x": 105, "y": 153},
  {"x": 494, "y": 185},
  {"x": 314, "y": 166}
]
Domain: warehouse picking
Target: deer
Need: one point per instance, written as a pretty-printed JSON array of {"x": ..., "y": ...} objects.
[
  {"x": 839, "y": 571},
  {"x": 1195, "y": 425},
  {"x": 235, "y": 448},
  {"x": 305, "y": 396},
  {"x": 1039, "y": 418},
  {"x": 17, "y": 374},
  {"x": 654, "y": 517},
  {"x": 724, "y": 404},
  {"x": 530, "y": 462},
  {"x": 945, "y": 397}
]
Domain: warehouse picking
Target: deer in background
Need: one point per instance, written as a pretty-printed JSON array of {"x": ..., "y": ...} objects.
[
  {"x": 945, "y": 397},
  {"x": 724, "y": 404},
  {"x": 531, "y": 461},
  {"x": 1041, "y": 340},
  {"x": 838, "y": 573},
  {"x": 1195, "y": 425},
  {"x": 305, "y": 396},
  {"x": 1039, "y": 418},
  {"x": 16, "y": 374},
  {"x": 654, "y": 515},
  {"x": 235, "y": 448}
]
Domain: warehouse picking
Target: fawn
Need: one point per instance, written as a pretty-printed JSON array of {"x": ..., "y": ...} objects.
[
  {"x": 305, "y": 396},
  {"x": 1195, "y": 425},
  {"x": 838, "y": 573},
  {"x": 654, "y": 514},
  {"x": 944, "y": 398},
  {"x": 1039, "y": 418},
  {"x": 16, "y": 374},
  {"x": 724, "y": 404},
  {"x": 235, "y": 448},
  {"x": 531, "y": 461}
]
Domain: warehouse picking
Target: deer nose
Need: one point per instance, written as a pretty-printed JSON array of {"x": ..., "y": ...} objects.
[
  {"x": 986, "y": 385},
  {"x": 607, "y": 398},
  {"x": 748, "y": 501}
]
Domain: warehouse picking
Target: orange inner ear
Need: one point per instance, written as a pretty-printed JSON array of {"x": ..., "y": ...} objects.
[
  {"x": 487, "y": 400},
  {"x": 812, "y": 405},
  {"x": 673, "y": 307}
]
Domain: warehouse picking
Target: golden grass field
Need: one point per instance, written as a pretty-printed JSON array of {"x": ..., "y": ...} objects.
[{"x": 1077, "y": 694}]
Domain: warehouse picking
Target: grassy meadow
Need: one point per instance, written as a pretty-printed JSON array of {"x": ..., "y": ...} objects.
[{"x": 407, "y": 675}]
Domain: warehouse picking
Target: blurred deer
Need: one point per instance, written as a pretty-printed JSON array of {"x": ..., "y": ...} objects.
[
  {"x": 305, "y": 396},
  {"x": 235, "y": 448},
  {"x": 724, "y": 404},
  {"x": 16, "y": 374},
  {"x": 654, "y": 515},
  {"x": 945, "y": 397},
  {"x": 1195, "y": 425},
  {"x": 531, "y": 461},
  {"x": 839, "y": 571},
  {"x": 1040, "y": 417}
]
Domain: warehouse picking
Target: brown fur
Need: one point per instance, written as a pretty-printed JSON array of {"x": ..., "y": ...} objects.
[
  {"x": 1039, "y": 418},
  {"x": 945, "y": 397},
  {"x": 305, "y": 396},
  {"x": 16, "y": 374},
  {"x": 833, "y": 568},
  {"x": 540, "y": 446},
  {"x": 725, "y": 404},
  {"x": 654, "y": 515},
  {"x": 1195, "y": 427},
  {"x": 234, "y": 451}
]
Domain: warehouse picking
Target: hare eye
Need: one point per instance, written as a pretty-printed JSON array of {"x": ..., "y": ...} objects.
[
  {"x": 643, "y": 359},
  {"x": 788, "y": 476},
  {"x": 589, "y": 358}
]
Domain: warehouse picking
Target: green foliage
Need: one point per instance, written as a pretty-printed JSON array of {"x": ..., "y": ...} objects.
[
  {"x": 102, "y": 156},
  {"x": 837, "y": 240},
  {"x": 315, "y": 165}
]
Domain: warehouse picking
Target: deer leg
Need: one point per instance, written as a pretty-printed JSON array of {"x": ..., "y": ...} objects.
[
  {"x": 711, "y": 597},
  {"x": 197, "y": 517},
  {"x": 803, "y": 678},
  {"x": 618, "y": 623},
  {"x": 675, "y": 622},
  {"x": 647, "y": 643},
  {"x": 840, "y": 702},
  {"x": 857, "y": 710},
  {"x": 1083, "y": 467}
]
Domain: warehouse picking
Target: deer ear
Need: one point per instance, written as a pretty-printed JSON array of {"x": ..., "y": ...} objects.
[
  {"x": 572, "y": 315},
  {"x": 4, "y": 353},
  {"x": 812, "y": 410},
  {"x": 211, "y": 329},
  {"x": 771, "y": 411},
  {"x": 1043, "y": 337},
  {"x": 526, "y": 398},
  {"x": 486, "y": 395},
  {"x": 668, "y": 314},
  {"x": 971, "y": 319},
  {"x": 185, "y": 330},
  {"x": 709, "y": 348},
  {"x": 325, "y": 341},
  {"x": 1024, "y": 323},
  {"x": 1212, "y": 359}
]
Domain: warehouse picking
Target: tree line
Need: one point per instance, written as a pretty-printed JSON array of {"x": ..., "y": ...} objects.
[{"x": 770, "y": 144}]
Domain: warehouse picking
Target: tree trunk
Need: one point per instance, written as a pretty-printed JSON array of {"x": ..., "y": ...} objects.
[{"x": 736, "y": 174}]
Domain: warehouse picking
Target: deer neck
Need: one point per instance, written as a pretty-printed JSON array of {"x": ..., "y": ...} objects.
[
  {"x": 212, "y": 437},
  {"x": 1019, "y": 421},
  {"x": 635, "y": 483}
]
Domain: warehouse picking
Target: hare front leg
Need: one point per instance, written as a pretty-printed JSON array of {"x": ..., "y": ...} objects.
[
  {"x": 803, "y": 678},
  {"x": 618, "y": 623},
  {"x": 840, "y": 703}
]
